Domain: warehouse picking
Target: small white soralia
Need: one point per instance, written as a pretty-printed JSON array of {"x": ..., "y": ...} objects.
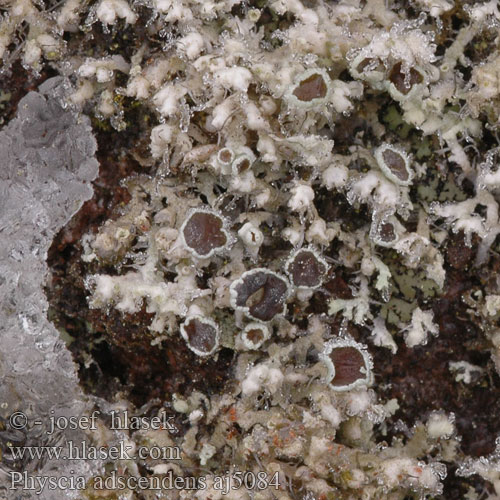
[
  {"x": 480, "y": 11},
  {"x": 262, "y": 376},
  {"x": 378, "y": 191},
  {"x": 462, "y": 216},
  {"x": 206, "y": 453},
  {"x": 109, "y": 10},
  {"x": 222, "y": 112},
  {"x": 492, "y": 304},
  {"x": 421, "y": 325},
  {"x": 321, "y": 234},
  {"x": 179, "y": 404},
  {"x": 394, "y": 470},
  {"x": 436, "y": 7},
  {"x": 251, "y": 236},
  {"x": 293, "y": 234},
  {"x": 191, "y": 45},
  {"x": 302, "y": 197},
  {"x": 335, "y": 176},
  {"x": 235, "y": 78},
  {"x": 167, "y": 99},
  {"x": 244, "y": 182},
  {"x": 381, "y": 336},
  {"x": 464, "y": 371},
  {"x": 103, "y": 69},
  {"x": 340, "y": 93},
  {"x": 440, "y": 425},
  {"x": 165, "y": 136}
]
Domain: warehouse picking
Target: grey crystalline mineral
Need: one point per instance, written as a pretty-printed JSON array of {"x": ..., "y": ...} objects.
[{"x": 47, "y": 155}]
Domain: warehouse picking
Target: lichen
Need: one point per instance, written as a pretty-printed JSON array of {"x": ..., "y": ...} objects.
[{"x": 282, "y": 183}]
